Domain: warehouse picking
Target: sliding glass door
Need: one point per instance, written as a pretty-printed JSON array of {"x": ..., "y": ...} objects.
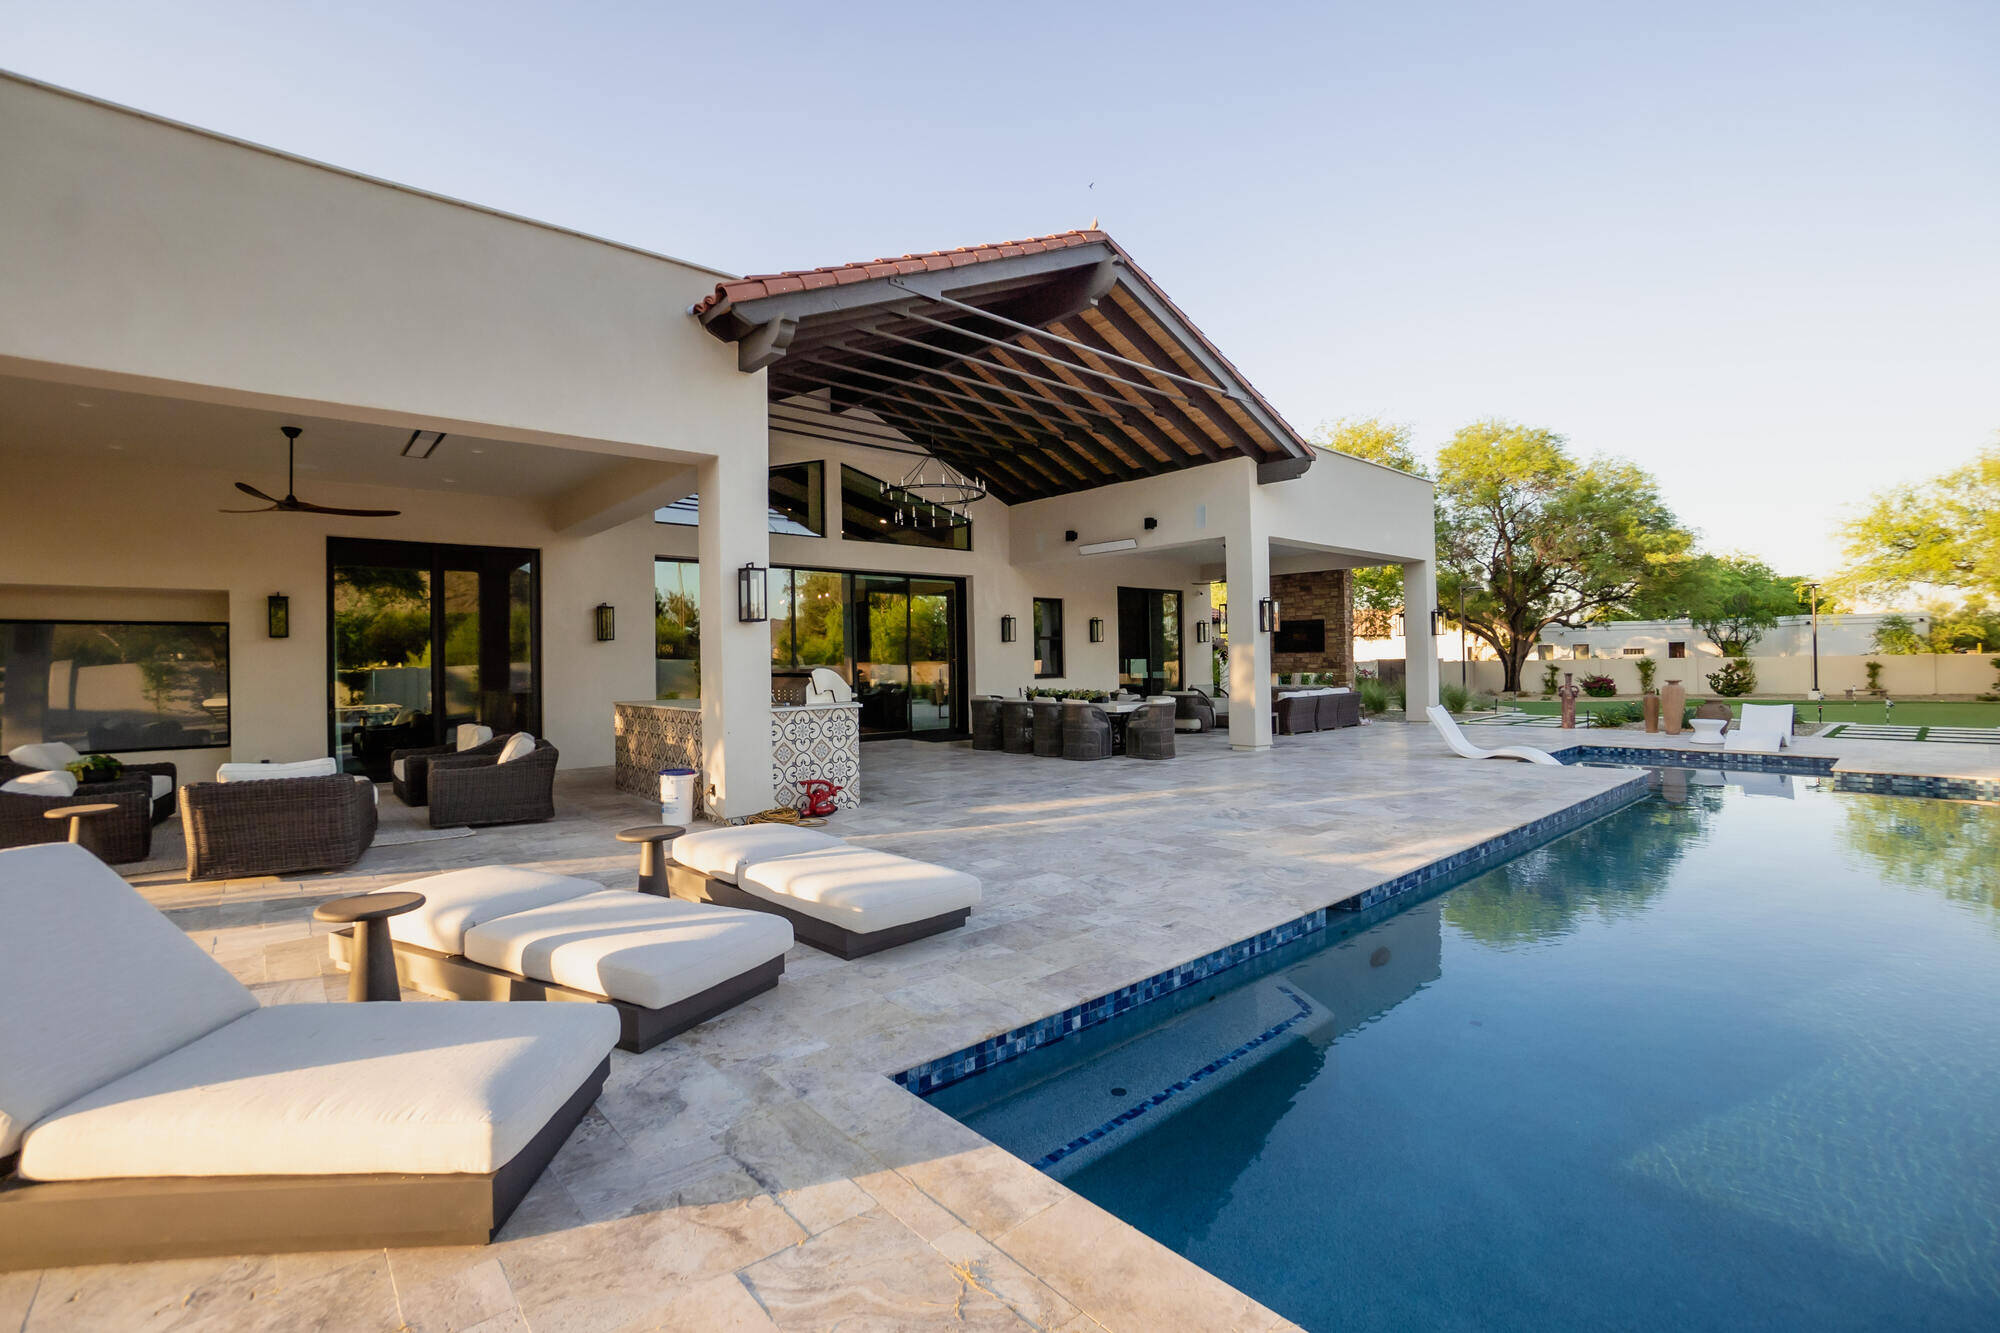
[
  {"x": 1149, "y": 640},
  {"x": 898, "y": 639},
  {"x": 423, "y": 637}
]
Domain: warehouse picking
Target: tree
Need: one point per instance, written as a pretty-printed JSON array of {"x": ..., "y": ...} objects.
[
  {"x": 1732, "y": 599},
  {"x": 1941, "y": 533},
  {"x": 1972, "y": 627},
  {"x": 1378, "y": 589},
  {"x": 1529, "y": 537}
]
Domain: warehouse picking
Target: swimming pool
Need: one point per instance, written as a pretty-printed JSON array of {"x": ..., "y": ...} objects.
[{"x": 1726, "y": 1058}]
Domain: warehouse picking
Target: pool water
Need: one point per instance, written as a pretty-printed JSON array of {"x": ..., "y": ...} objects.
[{"x": 1728, "y": 1058}]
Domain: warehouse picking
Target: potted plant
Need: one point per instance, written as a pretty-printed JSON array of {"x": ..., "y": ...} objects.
[{"x": 96, "y": 768}]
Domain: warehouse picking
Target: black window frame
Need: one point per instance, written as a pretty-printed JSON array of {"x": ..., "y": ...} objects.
[
  {"x": 686, "y": 511},
  {"x": 228, "y": 668},
  {"x": 1677, "y": 650},
  {"x": 1048, "y": 645},
  {"x": 880, "y": 531}
]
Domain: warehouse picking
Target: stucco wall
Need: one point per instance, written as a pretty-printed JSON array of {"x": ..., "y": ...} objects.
[{"x": 1903, "y": 675}]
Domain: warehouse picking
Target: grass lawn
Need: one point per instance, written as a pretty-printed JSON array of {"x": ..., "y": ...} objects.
[{"x": 1916, "y": 713}]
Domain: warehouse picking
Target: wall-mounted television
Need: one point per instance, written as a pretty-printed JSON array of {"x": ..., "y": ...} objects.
[
  {"x": 105, "y": 685},
  {"x": 1299, "y": 636}
]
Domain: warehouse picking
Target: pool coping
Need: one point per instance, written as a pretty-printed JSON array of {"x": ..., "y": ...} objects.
[{"x": 929, "y": 1076}]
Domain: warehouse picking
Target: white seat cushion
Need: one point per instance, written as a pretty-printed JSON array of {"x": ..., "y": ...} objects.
[
  {"x": 519, "y": 746},
  {"x": 458, "y": 900},
  {"x": 630, "y": 946},
  {"x": 397, "y": 766},
  {"x": 94, "y": 983},
  {"x": 42, "y": 782},
  {"x": 333, "y": 1089},
  {"x": 723, "y": 852},
  {"x": 471, "y": 734},
  {"x": 162, "y": 785},
  {"x": 304, "y": 768},
  {"x": 860, "y": 889},
  {"x": 45, "y": 754}
]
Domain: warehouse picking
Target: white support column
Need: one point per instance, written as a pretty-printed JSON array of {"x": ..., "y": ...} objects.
[
  {"x": 735, "y": 657},
  {"x": 1420, "y": 666},
  {"x": 1247, "y": 570}
]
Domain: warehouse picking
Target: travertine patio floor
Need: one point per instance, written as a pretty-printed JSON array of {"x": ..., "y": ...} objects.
[{"x": 762, "y": 1171}]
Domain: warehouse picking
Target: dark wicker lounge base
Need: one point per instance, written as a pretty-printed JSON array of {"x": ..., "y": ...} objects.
[
  {"x": 691, "y": 884},
  {"x": 456, "y": 977},
  {"x": 65, "y": 1223}
]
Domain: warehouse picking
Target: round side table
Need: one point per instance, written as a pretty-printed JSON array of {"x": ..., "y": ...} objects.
[
  {"x": 371, "y": 972},
  {"x": 652, "y": 861},
  {"x": 76, "y": 814}
]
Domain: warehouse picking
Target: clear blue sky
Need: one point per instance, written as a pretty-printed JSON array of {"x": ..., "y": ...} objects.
[{"x": 1753, "y": 247}]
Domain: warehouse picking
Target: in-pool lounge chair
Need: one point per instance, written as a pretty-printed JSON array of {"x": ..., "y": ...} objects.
[
  {"x": 1762, "y": 727},
  {"x": 150, "y": 1109},
  {"x": 511, "y": 933},
  {"x": 1441, "y": 719},
  {"x": 847, "y": 901}
]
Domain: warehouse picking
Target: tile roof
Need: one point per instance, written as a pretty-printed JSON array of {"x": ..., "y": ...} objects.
[{"x": 809, "y": 279}]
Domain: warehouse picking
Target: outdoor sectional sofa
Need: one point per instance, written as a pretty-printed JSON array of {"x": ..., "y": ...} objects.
[
  {"x": 150, "y": 1109},
  {"x": 512, "y": 933},
  {"x": 847, "y": 901}
]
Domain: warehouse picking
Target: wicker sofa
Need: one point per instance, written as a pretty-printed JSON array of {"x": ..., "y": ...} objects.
[
  {"x": 121, "y": 836},
  {"x": 276, "y": 826},
  {"x": 477, "y": 788}
]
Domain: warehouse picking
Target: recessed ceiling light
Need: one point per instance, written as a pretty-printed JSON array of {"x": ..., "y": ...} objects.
[
  {"x": 478, "y": 451},
  {"x": 115, "y": 447},
  {"x": 451, "y": 481}
]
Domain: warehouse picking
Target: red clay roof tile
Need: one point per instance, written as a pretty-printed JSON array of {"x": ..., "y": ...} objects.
[{"x": 771, "y": 284}]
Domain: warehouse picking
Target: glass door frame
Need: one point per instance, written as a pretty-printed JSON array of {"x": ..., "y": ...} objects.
[
  {"x": 436, "y": 558},
  {"x": 1156, "y": 667}
]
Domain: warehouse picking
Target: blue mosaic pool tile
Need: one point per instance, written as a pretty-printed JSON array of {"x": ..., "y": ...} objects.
[
  {"x": 927, "y": 1077},
  {"x": 1637, "y": 757}
]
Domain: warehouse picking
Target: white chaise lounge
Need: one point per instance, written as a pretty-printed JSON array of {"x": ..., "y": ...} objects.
[
  {"x": 512, "y": 933},
  {"x": 847, "y": 901},
  {"x": 1762, "y": 727},
  {"x": 150, "y": 1109},
  {"x": 1441, "y": 719}
]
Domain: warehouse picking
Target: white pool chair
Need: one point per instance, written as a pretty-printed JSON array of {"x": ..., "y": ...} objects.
[
  {"x": 1762, "y": 727},
  {"x": 1441, "y": 719}
]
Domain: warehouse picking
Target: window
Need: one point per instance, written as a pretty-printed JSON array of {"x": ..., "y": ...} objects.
[
  {"x": 676, "y": 629},
  {"x": 1635, "y": 652},
  {"x": 105, "y": 685},
  {"x": 1048, "y": 638},
  {"x": 1582, "y": 650},
  {"x": 797, "y": 502},
  {"x": 1677, "y": 650},
  {"x": 871, "y": 510}
]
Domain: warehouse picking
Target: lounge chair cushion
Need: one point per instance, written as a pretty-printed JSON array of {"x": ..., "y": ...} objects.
[
  {"x": 860, "y": 889},
  {"x": 333, "y": 1089},
  {"x": 42, "y": 782},
  {"x": 45, "y": 754},
  {"x": 458, "y": 900},
  {"x": 162, "y": 785},
  {"x": 519, "y": 746},
  {"x": 723, "y": 852},
  {"x": 94, "y": 983},
  {"x": 471, "y": 735},
  {"x": 629, "y": 946},
  {"x": 397, "y": 769},
  {"x": 303, "y": 768}
]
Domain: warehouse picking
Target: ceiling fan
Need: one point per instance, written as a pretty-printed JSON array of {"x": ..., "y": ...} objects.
[{"x": 291, "y": 504}]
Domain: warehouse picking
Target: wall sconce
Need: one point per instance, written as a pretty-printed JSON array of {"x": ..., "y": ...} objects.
[
  {"x": 1097, "y": 629},
  {"x": 1201, "y": 631},
  {"x": 1006, "y": 629},
  {"x": 1398, "y": 626},
  {"x": 607, "y": 622},
  {"x": 753, "y": 592},
  {"x": 1267, "y": 615},
  {"x": 1437, "y": 614},
  {"x": 278, "y": 615}
]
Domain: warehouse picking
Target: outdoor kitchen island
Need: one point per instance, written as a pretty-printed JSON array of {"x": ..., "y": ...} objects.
[{"x": 807, "y": 741}]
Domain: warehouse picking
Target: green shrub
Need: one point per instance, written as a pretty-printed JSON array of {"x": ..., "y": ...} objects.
[
  {"x": 1647, "y": 666},
  {"x": 1617, "y": 715},
  {"x": 1374, "y": 694},
  {"x": 1398, "y": 700},
  {"x": 1551, "y": 681},
  {"x": 1874, "y": 677},
  {"x": 1599, "y": 687},
  {"x": 1734, "y": 677},
  {"x": 1455, "y": 698}
]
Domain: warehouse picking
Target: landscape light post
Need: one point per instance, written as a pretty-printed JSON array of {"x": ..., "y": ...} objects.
[
  {"x": 1812, "y": 589},
  {"x": 1463, "y": 682}
]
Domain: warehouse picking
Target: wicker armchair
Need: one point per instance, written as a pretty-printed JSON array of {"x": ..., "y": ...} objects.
[
  {"x": 123, "y": 835},
  {"x": 1048, "y": 728},
  {"x": 1296, "y": 714},
  {"x": 1194, "y": 711},
  {"x": 478, "y": 789},
  {"x": 986, "y": 721},
  {"x": 1086, "y": 731},
  {"x": 277, "y": 825},
  {"x": 413, "y": 782},
  {"x": 1017, "y": 726},
  {"x": 1150, "y": 732}
]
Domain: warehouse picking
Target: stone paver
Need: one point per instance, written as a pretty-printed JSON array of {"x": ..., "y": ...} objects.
[{"x": 762, "y": 1171}]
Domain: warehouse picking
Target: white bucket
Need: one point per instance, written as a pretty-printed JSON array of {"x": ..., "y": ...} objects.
[{"x": 677, "y": 795}]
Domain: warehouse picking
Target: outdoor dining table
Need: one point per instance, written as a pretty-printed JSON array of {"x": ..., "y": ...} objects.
[{"x": 1120, "y": 714}]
